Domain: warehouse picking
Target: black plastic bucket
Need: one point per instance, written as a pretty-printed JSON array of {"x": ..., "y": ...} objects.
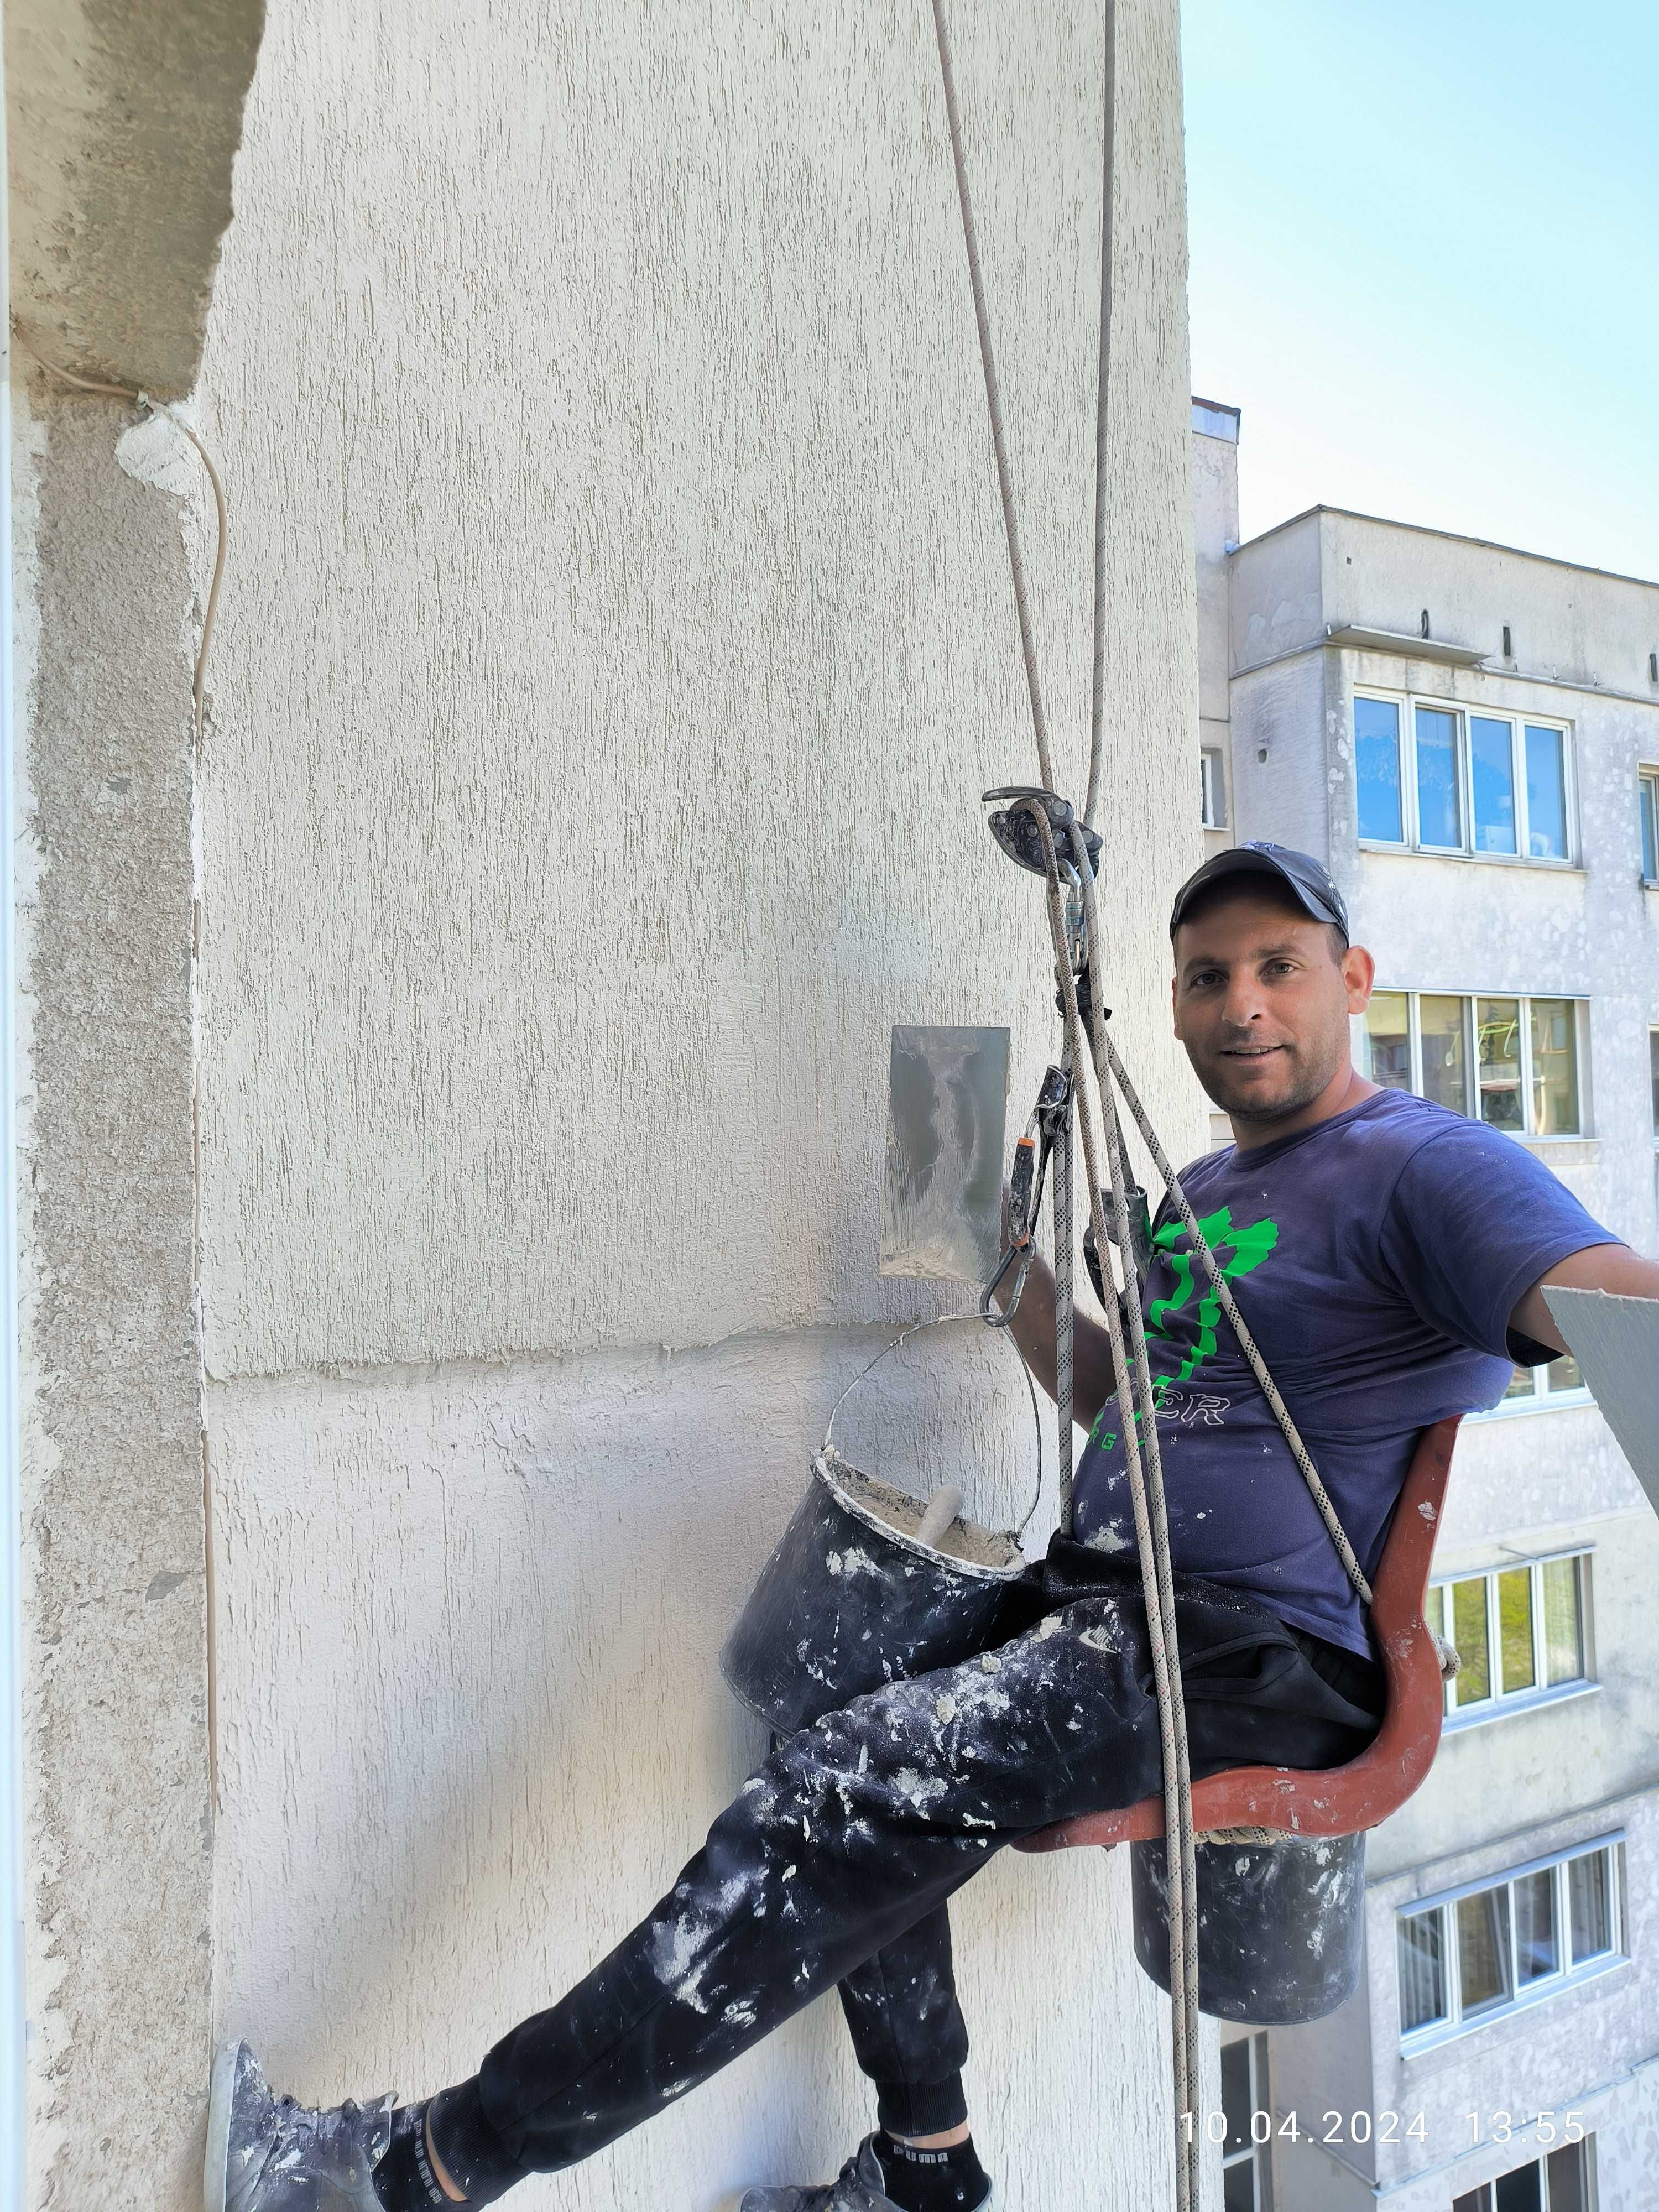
[
  {"x": 849, "y": 1600},
  {"x": 1280, "y": 1926}
]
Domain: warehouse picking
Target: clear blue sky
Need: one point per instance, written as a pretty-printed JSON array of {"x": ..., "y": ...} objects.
[{"x": 1425, "y": 262}]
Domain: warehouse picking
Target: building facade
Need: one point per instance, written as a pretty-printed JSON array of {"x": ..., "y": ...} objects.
[
  {"x": 455, "y": 1087},
  {"x": 1468, "y": 736}
]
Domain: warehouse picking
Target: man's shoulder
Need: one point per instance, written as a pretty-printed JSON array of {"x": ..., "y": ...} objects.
[{"x": 1387, "y": 1130}]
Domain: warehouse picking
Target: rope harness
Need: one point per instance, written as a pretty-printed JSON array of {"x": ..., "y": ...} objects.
[{"x": 1031, "y": 831}]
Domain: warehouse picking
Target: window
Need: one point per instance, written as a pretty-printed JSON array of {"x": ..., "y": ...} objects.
[
  {"x": 1489, "y": 785},
  {"x": 1558, "y": 2182},
  {"x": 1559, "y": 1383},
  {"x": 1480, "y": 1952},
  {"x": 1653, "y": 1070},
  {"x": 1439, "y": 787},
  {"x": 1649, "y": 784},
  {"x": 1520, "y": 1634},
  {"x": 1376, "y": 768},
  {"x": 1513, "y": 1062},
  {"x": 1246, "y": 2181},
  {"x": 1212, "y": 787}
]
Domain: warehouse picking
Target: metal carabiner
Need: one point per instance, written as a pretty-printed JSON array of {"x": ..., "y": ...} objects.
[{"x": 1025, "y": 1183}]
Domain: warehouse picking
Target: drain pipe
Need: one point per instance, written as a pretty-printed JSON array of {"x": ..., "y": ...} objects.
[{"x": 11, "y": 1526}]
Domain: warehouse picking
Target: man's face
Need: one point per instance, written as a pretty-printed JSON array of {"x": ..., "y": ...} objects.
[{"x": 1262, "y": 1002}]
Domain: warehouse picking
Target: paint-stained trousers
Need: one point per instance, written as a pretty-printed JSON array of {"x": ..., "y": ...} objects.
[{"x": 834, "y": 1863}]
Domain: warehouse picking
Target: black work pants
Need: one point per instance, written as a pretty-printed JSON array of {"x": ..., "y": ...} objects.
[{"x": 834, "y": 1863}]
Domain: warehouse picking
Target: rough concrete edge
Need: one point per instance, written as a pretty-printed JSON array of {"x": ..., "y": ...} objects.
[{"x": 30, "y": 445}]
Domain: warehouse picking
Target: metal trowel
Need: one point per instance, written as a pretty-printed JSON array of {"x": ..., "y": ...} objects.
[
  {"x": 947, "y": 1116},
  {"x": 1615, "y": 1341}
]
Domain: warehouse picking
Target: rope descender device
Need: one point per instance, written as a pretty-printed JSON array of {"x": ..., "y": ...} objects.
[
  {"x": 1017, "y": 833},
  {"x": 1033, "y": 1153}
]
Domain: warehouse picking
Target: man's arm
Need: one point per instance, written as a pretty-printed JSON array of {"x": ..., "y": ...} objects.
[
  {"x": 1613, "y": 1267},
  {"x": 1033, "y": 1330}
]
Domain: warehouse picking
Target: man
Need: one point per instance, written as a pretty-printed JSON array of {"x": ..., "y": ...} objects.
[{"x": 1390, "y": 1257}]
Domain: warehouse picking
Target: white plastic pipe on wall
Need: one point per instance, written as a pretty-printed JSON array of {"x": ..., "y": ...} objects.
[{"x": 11, "y": 1641}]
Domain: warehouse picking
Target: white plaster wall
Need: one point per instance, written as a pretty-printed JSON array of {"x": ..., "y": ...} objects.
[
  {"x": 619, "y": 640},
  {"x": 1576, "y": 625},
  {"x": 1276, "y": 599},
  {"x": 605, "y": 780},
  {"x": 1279, "y": 787},
  {"x": 472, "y": 1726},
  {"x": 1215, "y": 534}
]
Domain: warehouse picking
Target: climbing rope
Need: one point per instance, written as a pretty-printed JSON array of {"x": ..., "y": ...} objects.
[
  {"x": 1134, "y": 1389},
  {"x": 1132, "y": 1386},
  {"x": 1102, "y": 392},
  {"x": 994, "y": 401},
  {"x": 1089, "y": 1044}
]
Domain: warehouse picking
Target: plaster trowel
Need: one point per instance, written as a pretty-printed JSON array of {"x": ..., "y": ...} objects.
[
  {"x": 1615, "y": 1341},
  {"x": 947, "y": 1115}
]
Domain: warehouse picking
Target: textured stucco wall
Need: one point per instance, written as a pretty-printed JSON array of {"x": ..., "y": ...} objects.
[
  {"x": 116, "y": 1755},
  {"x": 619, "y": 640},
  {"x": 608, "y": 778},
  {"x": 471, "y": 1725}
]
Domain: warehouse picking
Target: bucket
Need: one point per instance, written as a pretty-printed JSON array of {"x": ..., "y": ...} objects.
[
  {"x": 852, "y": 1597},
  {"x": 1280, "y": 1926}
]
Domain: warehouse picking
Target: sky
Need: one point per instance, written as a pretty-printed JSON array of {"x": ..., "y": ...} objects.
[{"x": 1424, "y": 262}]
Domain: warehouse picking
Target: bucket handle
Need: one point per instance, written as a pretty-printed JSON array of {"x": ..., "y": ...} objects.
[{"x": 944, "y": 1321}]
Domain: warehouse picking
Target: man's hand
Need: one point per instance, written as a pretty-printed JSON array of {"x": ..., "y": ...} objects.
[
  {"x": 1033, "y": 1330},
  {"x": 1613, "y": 1267}
]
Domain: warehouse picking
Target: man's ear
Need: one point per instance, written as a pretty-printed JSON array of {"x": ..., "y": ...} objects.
[{"x": 1358, "y": 974}]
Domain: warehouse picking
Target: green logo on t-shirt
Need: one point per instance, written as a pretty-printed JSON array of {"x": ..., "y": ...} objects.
[{"x": 1238, "y": 1252}]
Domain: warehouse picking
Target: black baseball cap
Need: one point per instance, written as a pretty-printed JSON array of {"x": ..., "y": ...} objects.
[{"x": 1309, "y": 883}]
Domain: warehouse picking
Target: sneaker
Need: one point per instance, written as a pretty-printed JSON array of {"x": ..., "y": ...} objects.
[
  {"x": 268, "y": 2154},
  {"x": 860, "y": 2186}
]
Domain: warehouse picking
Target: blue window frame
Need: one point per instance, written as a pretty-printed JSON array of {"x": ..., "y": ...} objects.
[
  {"x": 1377, "y": 764},
  {"x": 1491, "y": 786},
  {"x": 1439, "y": 795},
  {"x": 1546, "y": 793},
  {"x": 1492, "y": 776}
]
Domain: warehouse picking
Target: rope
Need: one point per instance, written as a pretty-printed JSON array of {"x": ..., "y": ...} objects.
[
  {"x": 993, "y": 400},
  {"x": 1065, "y": 1264},
  {"x": 1131, "y": 1365},
  {"x": 1143, "y": 1413},
  {"x": 1132, "y": 1383},
  {"x": 1097, "y": 689},
  {"x": 1151, "y": 1527}
]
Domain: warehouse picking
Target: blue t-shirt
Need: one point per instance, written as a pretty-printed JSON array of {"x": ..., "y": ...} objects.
[{"x": 1376, "y": 1258}]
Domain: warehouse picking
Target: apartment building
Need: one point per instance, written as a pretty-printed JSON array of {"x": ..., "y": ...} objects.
[{"x": 1468, "y": 736}]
